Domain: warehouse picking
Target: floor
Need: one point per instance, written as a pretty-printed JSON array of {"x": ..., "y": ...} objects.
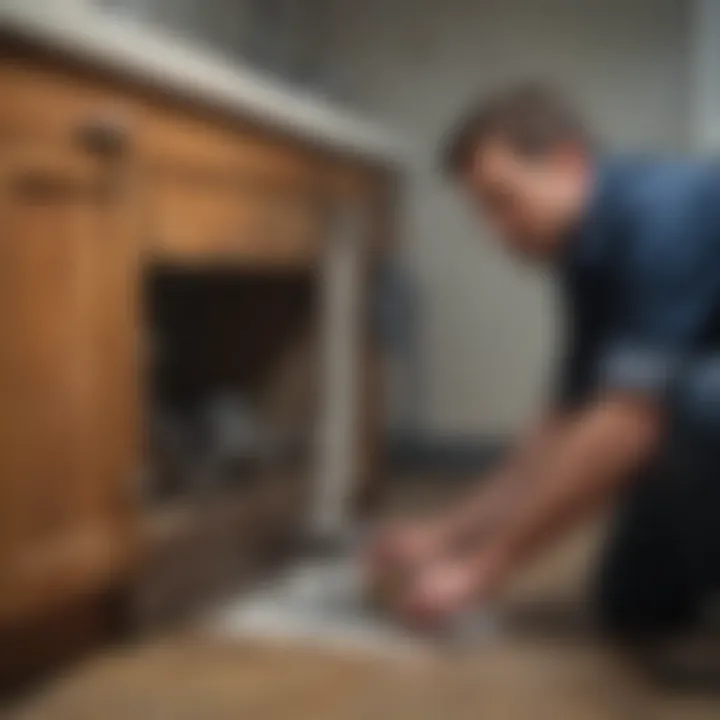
[{"x": 537, "y": 668}]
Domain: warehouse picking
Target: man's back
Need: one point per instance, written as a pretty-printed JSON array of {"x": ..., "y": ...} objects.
[{"x": 643, "y": 276}]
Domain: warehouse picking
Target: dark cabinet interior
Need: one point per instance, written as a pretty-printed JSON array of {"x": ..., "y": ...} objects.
[{"x": 232, "y": 377}]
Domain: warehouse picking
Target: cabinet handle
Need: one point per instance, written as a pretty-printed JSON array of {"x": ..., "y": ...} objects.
[{"x": 106, "y": 137}]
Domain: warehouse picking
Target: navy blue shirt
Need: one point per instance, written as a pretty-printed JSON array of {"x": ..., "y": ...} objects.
[{"x": 642, "y": 282}]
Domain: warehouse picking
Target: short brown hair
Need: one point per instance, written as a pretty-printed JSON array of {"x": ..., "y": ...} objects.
[{"x": 531, "y": 117}]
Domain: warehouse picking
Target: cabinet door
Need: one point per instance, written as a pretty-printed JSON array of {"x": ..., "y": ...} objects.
[{"x": 67, "y": 376}]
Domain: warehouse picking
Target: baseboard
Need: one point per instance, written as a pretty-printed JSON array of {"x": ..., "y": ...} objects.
[{"x": 416, "y": 455}]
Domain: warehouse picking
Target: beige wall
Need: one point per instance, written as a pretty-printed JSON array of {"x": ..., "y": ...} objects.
[
  {"x": 488, "y": 327},
  {"x": 283, "y": 36}
]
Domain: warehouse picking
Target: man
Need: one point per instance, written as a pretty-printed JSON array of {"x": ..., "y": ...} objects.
[{"x": 636, "y": 420}]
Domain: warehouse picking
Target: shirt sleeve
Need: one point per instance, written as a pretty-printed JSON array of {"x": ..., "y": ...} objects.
[
  {"x": 573, "y": 377},
  {"x": 669, "y": 292}
]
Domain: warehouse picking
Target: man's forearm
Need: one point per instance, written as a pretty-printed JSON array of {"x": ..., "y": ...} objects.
[
  {"x": 479, "y": 514},
  {"x": 591, "y": 457}
]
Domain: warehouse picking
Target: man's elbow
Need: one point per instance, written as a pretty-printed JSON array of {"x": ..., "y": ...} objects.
[{"x": 635, "y": 423}]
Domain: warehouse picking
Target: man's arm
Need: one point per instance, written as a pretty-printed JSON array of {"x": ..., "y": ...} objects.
[
  {"x": 588, "y": 460},
  {"x": 478, "y": 514},
  {"x": 592, "y": 457},
  {"x": 416, "y": 542}
]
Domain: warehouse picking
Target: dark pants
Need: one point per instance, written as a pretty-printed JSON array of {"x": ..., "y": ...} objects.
[{"x": 660, "y": 573}]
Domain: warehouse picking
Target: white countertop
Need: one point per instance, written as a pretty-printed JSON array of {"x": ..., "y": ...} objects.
[{"x": 165, "y": 61}]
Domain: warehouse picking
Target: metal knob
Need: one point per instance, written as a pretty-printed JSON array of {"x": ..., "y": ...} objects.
[{"x": 108, "y": 137}]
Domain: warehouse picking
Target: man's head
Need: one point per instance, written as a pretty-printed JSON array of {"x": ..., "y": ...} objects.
[{"x": 525, "y": 157}]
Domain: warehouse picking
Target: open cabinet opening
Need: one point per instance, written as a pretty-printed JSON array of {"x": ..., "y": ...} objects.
[
  {"x": 231, "y": 379},
  {"x": 232, "y": 400}
]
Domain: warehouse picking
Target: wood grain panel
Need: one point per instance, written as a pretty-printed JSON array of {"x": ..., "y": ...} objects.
[
  {"x": 182, "y": 140},
  {"x": 60, "y": 510},
  {"x": 230, "y": 218}
]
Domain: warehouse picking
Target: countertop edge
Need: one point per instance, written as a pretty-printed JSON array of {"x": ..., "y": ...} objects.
[{"x": 174, "y": 65}]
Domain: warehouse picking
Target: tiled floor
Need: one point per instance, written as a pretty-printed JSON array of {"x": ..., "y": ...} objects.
[
  {"x": 533, "y": 671},
  {"x": 510, "y": 679}
]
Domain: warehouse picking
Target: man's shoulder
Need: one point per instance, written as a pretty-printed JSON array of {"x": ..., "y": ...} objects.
[
  {"x": 672, "y": 212},
  {"x": 653, "y": 190}
]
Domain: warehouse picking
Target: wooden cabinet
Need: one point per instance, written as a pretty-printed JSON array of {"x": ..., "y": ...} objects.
[
  {"x": 65, "y": 374},
  {"x": 99, "y": 181},
  {"x": 41, "y": 100}
]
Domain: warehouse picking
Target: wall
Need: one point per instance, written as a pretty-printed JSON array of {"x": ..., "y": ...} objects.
[
  {"x": 281, "y": 36},
  {"x": 488, "y": 329},
  {"x": 704, "y": 86},
  {"x": 217, "y": 23}
]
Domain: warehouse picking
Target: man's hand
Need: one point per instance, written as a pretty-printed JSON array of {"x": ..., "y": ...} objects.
[
  {"x": 440, "y": 592},
  {"x": 403, "y": 546},
  {"x": 447, "y": 589},
  {"x": 417, "y": 576}
]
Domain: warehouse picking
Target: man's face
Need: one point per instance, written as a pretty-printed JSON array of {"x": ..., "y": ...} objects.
[{"x": 532, "y": 202}]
